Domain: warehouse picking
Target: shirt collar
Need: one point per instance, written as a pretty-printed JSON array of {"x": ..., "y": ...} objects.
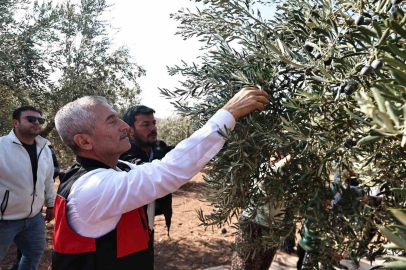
[
  {"x": 40, "y": 141},
  {"x": 88, "y": 162}
]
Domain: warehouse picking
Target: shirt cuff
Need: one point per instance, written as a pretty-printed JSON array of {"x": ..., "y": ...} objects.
[
  {"x": 49, "y": 204},
  {"x": 223, "y": 118}
]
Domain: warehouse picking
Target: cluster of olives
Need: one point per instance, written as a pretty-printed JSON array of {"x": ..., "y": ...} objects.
[
  {"x": 367, "y": 69},
  {"x": 376, "y": 65},
  {"x": 360, "y": 20}
]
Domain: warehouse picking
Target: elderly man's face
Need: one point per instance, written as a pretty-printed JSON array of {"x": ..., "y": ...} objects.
[{"x": 110, "y": 132}]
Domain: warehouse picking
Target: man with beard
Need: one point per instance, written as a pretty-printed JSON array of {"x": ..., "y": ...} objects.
[
  {"x": 26, "y": 183},
  {"x": 145, "y": 148}
]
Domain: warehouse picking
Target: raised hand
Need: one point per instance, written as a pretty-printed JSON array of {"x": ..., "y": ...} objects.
[{"x": 247, "y": 100}]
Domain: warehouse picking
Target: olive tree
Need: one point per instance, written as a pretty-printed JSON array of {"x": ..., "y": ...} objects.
[
  {"x": 334, "y": 71},
  {"x": 51, "y": 54}
]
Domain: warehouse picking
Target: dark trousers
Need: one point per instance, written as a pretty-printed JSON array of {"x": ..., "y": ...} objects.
[
  {"x": 151, "y": 245},
  {"x": 301, "y": 254}
]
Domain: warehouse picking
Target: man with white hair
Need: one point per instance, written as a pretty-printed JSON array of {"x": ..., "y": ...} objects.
[{"x": 100, "y": 222}]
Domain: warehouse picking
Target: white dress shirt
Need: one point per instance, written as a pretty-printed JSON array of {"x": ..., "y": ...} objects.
[
  {"x": 99, "y": 198},
  {"x": 151, "y": 205}
]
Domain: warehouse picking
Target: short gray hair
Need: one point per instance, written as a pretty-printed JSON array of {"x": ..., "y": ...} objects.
[{"x": 77, "y": 117}]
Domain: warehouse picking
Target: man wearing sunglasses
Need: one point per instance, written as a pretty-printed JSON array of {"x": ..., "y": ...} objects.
[{"x": 26, "y": 183}]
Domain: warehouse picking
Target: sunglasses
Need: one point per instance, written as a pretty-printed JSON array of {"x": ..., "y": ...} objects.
[{"x": 33, "y": 119}]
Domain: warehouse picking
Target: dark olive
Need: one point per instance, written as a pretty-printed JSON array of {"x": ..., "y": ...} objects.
[
  {"x": 359, "y": 20},
  {"x": 376, "y": 64},
  {"x": 394, "y": 13},
  {"x": 366, "y": 70},
  {"x": 378, "y": 155},
  {"x": 350, "y": 143},
  {"x": 308, "y": 48},
  {"x": 348, "y": 89}
]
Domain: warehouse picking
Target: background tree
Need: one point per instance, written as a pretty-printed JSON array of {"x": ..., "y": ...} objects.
[
  {"x": 334, "y": 72},
  {"x": 55, "y": 54},
  {"x": 174, "y": 129},
  {"x": 24, "y": 69}
]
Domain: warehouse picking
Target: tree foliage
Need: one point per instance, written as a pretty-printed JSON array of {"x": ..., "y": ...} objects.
[
  {"x": 53, "y": 54},
  {"x": 335, "y": 74},
  {"x": 396, "y": 233}
]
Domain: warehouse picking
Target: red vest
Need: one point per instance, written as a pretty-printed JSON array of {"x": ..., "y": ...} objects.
[{"x": 125, "y": 247}]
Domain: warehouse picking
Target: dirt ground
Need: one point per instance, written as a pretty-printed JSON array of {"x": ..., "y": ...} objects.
[{"x": 189, "y": 245}]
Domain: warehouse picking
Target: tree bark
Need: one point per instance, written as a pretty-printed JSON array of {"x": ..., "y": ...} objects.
[{"x": 48, "y": 129}]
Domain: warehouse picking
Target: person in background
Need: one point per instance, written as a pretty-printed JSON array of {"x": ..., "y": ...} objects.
[
  {"x": 145, "y": 147},
  {"x": 26, "y": 184},
  {"x": 254, "y": 224},
  {"x": 345, "y": 198}
]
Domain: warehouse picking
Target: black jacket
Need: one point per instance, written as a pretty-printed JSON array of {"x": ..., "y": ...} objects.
[
  {"x": 163, "y": 206},
  {"x": 56, "y": 163}
]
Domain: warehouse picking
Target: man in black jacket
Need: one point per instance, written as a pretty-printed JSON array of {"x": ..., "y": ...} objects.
[{"x": 145, "y": 148}]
